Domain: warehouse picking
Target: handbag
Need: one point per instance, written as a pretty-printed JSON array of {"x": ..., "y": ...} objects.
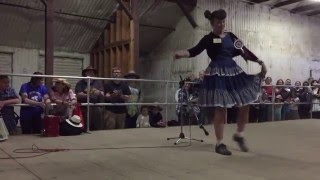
[{"x": 51, "y": 125}]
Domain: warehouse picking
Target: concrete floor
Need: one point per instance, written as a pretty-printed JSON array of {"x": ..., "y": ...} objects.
[{"x": 279, "y": 150}]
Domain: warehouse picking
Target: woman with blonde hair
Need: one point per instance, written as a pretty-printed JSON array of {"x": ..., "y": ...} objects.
[{"x": 64, "y": 97}]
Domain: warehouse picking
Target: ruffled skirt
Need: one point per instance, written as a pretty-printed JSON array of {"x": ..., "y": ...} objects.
[{"x": 226, "y": 85}]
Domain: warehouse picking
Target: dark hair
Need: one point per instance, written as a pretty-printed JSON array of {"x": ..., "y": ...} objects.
[
  {"x": 297, "y": 82},
  {"x": 143, "y": 107},
  {"x": 306, "y": 82},
  {"x": 280, "y": 80},
  {"x": 3, "y": 77},
  {"x": 218, "y": 14},
  {"x": 182, "y": 83},
  {"x": 34, "y": 79}
]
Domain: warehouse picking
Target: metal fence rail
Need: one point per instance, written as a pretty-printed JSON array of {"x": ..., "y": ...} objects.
[{"x": 166, "y": 103}]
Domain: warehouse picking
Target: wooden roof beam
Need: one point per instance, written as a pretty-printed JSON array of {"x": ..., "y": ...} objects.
[{"x": 285, "y": 3}]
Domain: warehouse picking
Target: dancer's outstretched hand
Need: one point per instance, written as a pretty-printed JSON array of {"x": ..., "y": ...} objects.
[{"x": 181, "y": 54}]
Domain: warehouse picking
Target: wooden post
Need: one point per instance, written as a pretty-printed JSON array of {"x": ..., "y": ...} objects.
[
  {"x": 49, "y": 47},
  {"x": 134, "y": 36}
]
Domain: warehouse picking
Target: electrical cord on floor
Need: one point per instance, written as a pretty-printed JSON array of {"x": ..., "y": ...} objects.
[{"x": 43, "y": 151}]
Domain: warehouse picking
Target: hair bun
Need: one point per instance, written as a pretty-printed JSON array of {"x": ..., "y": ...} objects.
[{"x": 207, "y": 14}]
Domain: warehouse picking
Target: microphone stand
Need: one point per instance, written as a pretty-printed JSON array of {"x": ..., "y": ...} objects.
[{"x": 188, "y": 107}]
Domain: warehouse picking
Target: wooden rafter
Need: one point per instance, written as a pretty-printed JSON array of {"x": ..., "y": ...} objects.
[
  {"x": 125, "y": 8},
  {"x": 285, "y": 3},
  {"x": 186, "y": 13},
  {"x": 313, "y": 13},
  {"x": 308, "y": 7},
  {"x": 259, "y": 1}
]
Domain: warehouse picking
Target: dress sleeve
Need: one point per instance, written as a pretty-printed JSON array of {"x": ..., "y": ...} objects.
[
  {"x": 196, "y": 50},
  {"x": 246, "y": 53}
]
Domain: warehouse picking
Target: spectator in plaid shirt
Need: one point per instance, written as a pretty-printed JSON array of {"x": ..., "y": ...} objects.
[{"x": 182, "y": 97}]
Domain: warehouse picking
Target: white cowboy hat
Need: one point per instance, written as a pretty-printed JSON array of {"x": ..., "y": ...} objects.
[{"x": 75, "y": 121}]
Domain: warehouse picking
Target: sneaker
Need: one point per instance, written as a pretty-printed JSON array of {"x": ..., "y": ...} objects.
[
  {"x": 241, "y": 143},
  {"x": 222, "y": 149}
]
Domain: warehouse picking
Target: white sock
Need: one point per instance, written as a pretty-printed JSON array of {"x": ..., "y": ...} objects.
[
  {"x": 239, "y": 134},
  {"x": 219, "y": 142}
]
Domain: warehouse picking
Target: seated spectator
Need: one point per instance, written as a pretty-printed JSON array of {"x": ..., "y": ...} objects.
[
  {"x": 63, "y": 96},
  {"x": 8, "y": 96},
  {"x": 96, "y": 93},
  {"x": 155, "y": 116},
  {"x": 305, "y": 96},
  {"x": 135, "y": 97},
  {"x": 116, "y": 92},
  {"x": 35, "y": 94},
  {"x": 316, "y": 100},
  {"x": 143, "y": 118}
]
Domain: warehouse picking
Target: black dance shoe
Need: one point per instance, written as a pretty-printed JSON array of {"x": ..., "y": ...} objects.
[
  {"x": 223, "y": 150},
  {"x": 241, "y": 143}
]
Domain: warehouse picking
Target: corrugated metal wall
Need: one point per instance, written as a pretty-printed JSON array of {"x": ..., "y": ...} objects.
[
  {"x": 286, "y": 42},
  {"x": 25, "y": 61},
  {"x": 64, "y": 66}
]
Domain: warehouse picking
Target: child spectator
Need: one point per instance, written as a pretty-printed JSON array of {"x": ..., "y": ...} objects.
[
  {"x": 143, "y": 118},
  {"x": 155, "y": 116}
]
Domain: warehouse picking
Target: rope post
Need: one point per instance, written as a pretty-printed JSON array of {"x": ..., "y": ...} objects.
[{"x": 88, "y": 104}]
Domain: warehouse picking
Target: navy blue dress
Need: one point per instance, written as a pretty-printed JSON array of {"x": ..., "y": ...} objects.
[{"x": 225, "y": 83}]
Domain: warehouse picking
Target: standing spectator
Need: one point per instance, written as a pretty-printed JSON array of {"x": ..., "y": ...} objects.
[
  {"x": 268, "y": 87},
  {"x": 35, "y": 94},
  {"x": 305, "y": 96},
  {"x": 155, "y": 116},
  {"x": 316, "y": 100},
  {"x": 265, "y": 109},
  {"x": 8, "y": 96},
  {"x": 96, "y": 93},
  {"x": 135, "y": 97},
  {"x": 182, "y": 96},
  {"x": 116, "y": 92},
  {"x": 143, "y": 118},
  {"x": 293, "y": 107},
  {"x": 63, "y": 96},
  {"x": 286, "y": 94},
  {"x": 279, "y": 87},
  {"x": 278, "y": 107},
  {"x": 310, "y": 80}
]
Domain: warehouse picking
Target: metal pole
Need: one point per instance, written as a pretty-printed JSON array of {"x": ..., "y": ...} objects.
[
  {"x": 273, "y": 98},
  {"x": 88, "y": 104},
  {"x": 166, "y": 103},
  {"x": 311, "y": 110}
]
